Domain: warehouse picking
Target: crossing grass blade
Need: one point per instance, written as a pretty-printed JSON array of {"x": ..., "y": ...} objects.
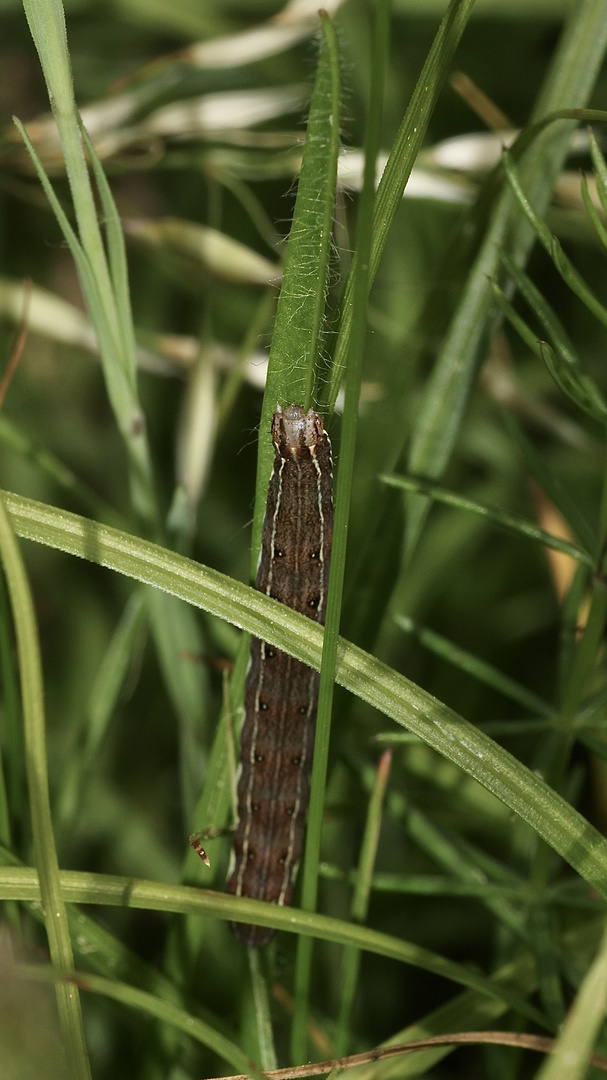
[{"x": 563, "y": 828}]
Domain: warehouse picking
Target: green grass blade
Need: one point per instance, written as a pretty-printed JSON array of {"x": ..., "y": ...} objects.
[
  {"x": 575, "y": 384},
  {"x": 103, "y": 699},
  {"x": 164, "y": 1011},
  {"x": 216, "y": 805},
  {"x": 585, "y": 654},
  {"x": 119, "y": 272},
  {"x": 593, "y": 213},
  {"x": 601, "y": 170},
  {"x": 296, "y": 339},
  {"x": 469, "y": 1012},
  {"x": 430, "y": 885},
  {"x": 120, "y": 387},
  {"x": 568, "y": 1060},
  {"x": 340, "y": 528},
  {"x": 399, "y": 165},
  {"x": 263, "y": 1016},
  {"x": 179, "y": 642},
  {"x": 503, "y": 518},
  {"x": 19, "y": 443},
  {"x": 21, "y": 883},
  {"x": 563, "y": 363},
  {"x": 102, "y": 951},
  {"x": 32, "y": 695},
  {"x": 46, "y": 21},
  {"x": 80, "y": 256},
  {"x": 478, "y": 668},
  {"x": 543, "y": 312},
  {"x": 13, "y": 767},
  {"x": 572, "y": 75},
  {"x": 465, "y": 864},
  {"x": 563, "y": 264},
  {"x": 384, "y": 689},
  {"x": 524, "y": 331},
  {"x": 107, "y": 309},
  {"x": 551, "y": 484},
  {"x": 542, "y": 929},
  {"x": 360, "y": 902}
]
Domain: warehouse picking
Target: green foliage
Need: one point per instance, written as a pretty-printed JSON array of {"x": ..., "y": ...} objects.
[{"x": 468, "y": 864}]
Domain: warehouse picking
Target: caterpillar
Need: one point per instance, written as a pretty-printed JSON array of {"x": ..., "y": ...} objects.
[{"x": 277, "y": 738}]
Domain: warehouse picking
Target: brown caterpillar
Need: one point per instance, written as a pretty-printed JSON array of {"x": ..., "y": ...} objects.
[{"x": 277, "y": 739}]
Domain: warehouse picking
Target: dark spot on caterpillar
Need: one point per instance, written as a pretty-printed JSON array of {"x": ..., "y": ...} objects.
[
  {"x": 255, "y": 807},
  {"x": 295, "y": 761},
  {"x": 269, "y": 653},
  {"x": 289, "y": 810},
  {"x": 259, "y": 758},
  {"x": 263, "y": 706},
  {"x": 314, "y": 601},
  {"x": 302, "y": 710},
  {"x": 278, "y": 553},
  {"x": 315, "y": 554},
  {"x": 282, "y": 860},
  {"x": 251, "y": 856}
]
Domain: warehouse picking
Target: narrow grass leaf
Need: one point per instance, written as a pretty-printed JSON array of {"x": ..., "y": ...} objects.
[
  {"x": 551, "y": 484},
  {"x": 565, "y": 367},
  {"x": 465, "y": 863},
  {"x": 503, "y": 518},
  {"x": 12, "y": 750},
  {"x": 468, "y": 1012},
  {"x": 166, "y": 1012},
  {"x": 46, "y": 21},
  {"x": 109, "y": 313},
  {"x": 102, "y": 703},
  {"x": 522, "y": 328},
  {"x": 263, "y": 1016},
  {"x": 213, "y": 811},
  {"x": 542, "y": 310},
  {"x": 216, "y": 804},
  {"x": 117, "y": 261},
  {"x": 297, "y": 334},
  {"x": 32, "y": 696},
  {"x": 575, "y": 384},
  {"x": 543, "y": 933},
  {"x": 479, "y": 669},
  {"x": 119, "y": 387},
  {"x": 180, "y": 647},
  {"x": 573, "y": 71},
  {"x": 600, "y": 168},
  {"x": 85, "y": 270},
  {"x": 18, "y": 442},
  {"x": 569, "y": 1059},
  {"x": 398, "y": 168},
  {"x": 563, "y": 264},
  {"x": 585, "y": 655},
  {"x": 593, "y": 213},
  {"x": 360, "y": 902},
  {"x": 428, "y": 885}
]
